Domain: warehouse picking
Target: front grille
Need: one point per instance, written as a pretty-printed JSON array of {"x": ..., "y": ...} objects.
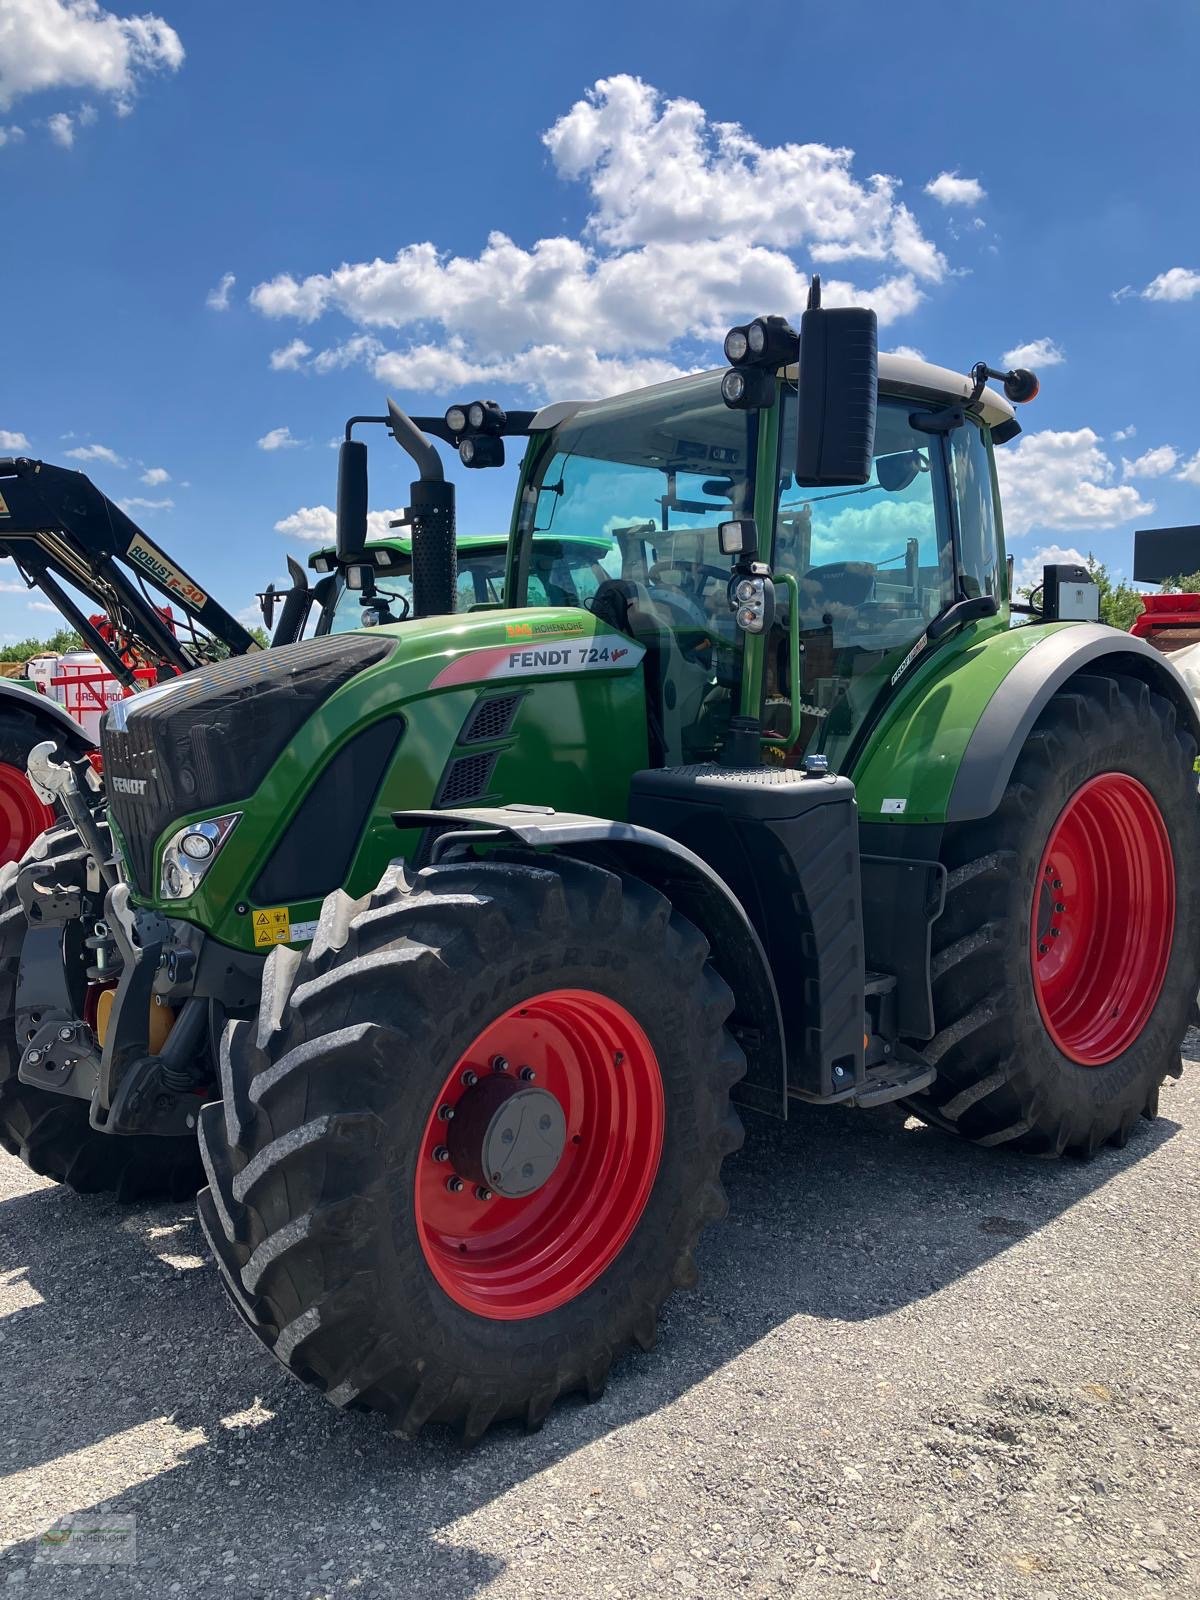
[
  {"x": 210, "y": 738},
  {"x": 490, "y": 718},
  {"x": 466, "y": 779}
]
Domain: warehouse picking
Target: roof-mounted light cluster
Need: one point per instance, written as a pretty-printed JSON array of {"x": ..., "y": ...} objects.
[
  {"x": 755, "y": 351},
  {"x": 476, "y": 428}
]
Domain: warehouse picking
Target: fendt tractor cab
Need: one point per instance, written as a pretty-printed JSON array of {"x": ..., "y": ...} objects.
[{"x": 507, "y": 909}]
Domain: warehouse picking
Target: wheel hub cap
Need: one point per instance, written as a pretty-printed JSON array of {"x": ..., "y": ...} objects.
[{"x": 507, "y": 1137}]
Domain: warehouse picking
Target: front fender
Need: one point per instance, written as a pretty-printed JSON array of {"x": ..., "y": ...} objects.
[{"x": 688, "y": 883}]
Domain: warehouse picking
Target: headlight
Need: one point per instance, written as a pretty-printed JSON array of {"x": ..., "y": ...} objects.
[
  {"x": 456, "y": 419},
  {"x": 475, "y": 415},
  {"x": 737, "y": 346},
  {"x": 189, "y": 853}
]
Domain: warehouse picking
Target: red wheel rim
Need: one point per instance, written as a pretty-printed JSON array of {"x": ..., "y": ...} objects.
[
  {"x": 1103, "y": 918},
  {"x": 509, "y": 1258},
  {"x": 22, "y": 814}
]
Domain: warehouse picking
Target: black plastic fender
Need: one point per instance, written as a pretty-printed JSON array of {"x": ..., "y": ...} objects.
[
  {"x": 59, "y": 721},
  {"x": 689, "y": 883},
  {"x": 1009, "y": 716}
]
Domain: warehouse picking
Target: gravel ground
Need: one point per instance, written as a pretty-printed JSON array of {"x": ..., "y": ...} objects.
[{"x": 912, "y": 1368}]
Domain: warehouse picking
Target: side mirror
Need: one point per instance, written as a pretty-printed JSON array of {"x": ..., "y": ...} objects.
[
  {"x": 838, "y": 395},
  {"x": 351, "y": 500}
]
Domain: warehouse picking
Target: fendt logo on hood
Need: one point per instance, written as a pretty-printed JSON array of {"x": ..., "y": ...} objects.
[{"x": 129, "y": 785}]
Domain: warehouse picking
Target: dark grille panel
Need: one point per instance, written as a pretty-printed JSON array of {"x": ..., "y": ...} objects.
[
  {"x": 314, "y": 854},
  {"x": 490, "y": 718},
  {"x": 466, "y": 779},
  {"x": 210, "y": 738}
]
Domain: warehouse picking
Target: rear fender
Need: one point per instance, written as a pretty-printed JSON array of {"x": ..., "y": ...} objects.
[
  {"x": 687, "y": 882},
  {"x": 56, "y": 718}
]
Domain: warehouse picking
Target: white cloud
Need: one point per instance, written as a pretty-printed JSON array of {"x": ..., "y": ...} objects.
[
  {"x": 218, "y": 299},
  {"x": 692, "y": 225},
  {"x": 1178, "y": 283},
  {"x": 1037, "y": 353},
  {"x": 1063, "y": 480},
  {"x": 1155, "y": 463},
  {"x": 40, "y": 605},
  {"x": 280, "y": 439},
  {"x": 11, "y": 135},
  {"x": 61, "y": 129},
  {"x": 96, "y": 452},
  {"x": 76, "y": 44},
  {"x": 909, "y": 350},
  {"x": 290, "y": 357},
  {"x": 136, "y": 503},
  {"x": 318, "y": 524},
  {"x": 156, "y": 475},
  {"x": 1189, "y": 472},
  {"x": 1124, "y": 433},
  {"x": 951, "y": 190},
  {"x": 12, "y": 441},
  {"x": 1028, "y": 571}
]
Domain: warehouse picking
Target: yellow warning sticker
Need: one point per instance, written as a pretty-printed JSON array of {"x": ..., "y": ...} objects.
[
  {"x": 4, "y": 511},
  {"x": 272, "y": 925}
]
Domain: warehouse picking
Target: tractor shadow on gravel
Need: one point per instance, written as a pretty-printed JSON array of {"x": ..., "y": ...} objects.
[{"x": 123, "y": 1352}]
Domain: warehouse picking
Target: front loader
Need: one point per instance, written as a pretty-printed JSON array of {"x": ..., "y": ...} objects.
[{"x": 513, "y": 909}]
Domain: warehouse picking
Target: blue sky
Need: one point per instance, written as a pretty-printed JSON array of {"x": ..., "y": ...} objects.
[{"x": 344, "y": 172}]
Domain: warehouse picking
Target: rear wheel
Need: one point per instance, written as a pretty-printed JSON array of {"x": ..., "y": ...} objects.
[
  {"x": 22, "y": 815},
  {"x": 467, "y": 1149},
  {"x": 51, "y": 1132},
  {"x": 1065, "y": 963}
]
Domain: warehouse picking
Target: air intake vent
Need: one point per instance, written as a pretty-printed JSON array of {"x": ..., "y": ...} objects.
[
  {"x": 467, "y": 778},
  {"x": 490, "y": 718}
]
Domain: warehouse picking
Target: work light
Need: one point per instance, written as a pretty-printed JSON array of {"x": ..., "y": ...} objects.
[
  {"x": 737, "y": 346},
  {"x": 748, "y": 388},
  {"x": 456, "y": 419},
  {"x": 482, "y": 450}
]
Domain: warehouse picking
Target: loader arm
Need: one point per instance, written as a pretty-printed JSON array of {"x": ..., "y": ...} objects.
[{"x": 58, "y": 526}]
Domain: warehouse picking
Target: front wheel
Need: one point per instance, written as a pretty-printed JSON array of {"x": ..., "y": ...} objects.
[
  {"x": 467, "y": 1148},
  {"x": 1065, "y": 963}
]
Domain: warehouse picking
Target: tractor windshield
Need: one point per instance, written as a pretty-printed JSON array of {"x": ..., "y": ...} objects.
[{"x": 641, "y": 482}]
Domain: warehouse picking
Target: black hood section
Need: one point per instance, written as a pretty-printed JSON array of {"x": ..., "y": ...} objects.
[{"x": 210, "y": 738}]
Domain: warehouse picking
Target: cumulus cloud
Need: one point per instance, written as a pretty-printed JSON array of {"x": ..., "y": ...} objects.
[
  {"x": 280, "y": 439},
  {"x": 12, "y": 441},
  {"x": 1125, "y": 433},
  {"x": 909, "y": 350},
  {"x": 156, "y": 475},
  {"x": 218, "y": 299},
  {"x": 1037, "y": 353},
  {"x": 61, "y": 129},
  {"x": 692, "y": 225},
  {"x": 1189, "y": 472},
  {"x": 77, "y": 44},
  {"x": 97, "y": 452},
  {"x": 948, "y": 189},
  {"x": 318, "y": 524},
  {"x": 1154, "y": 463},
  {"x": 136, "y": 503},
  {"x": 291, "y": 357},
  {"x": 1064, "y": 480},
  {"x": 1178, "y": 283},
  {"x": 11, "y": 135}
]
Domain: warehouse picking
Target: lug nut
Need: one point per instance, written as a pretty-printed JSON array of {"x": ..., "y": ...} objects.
[
  {"x": 1059, "y": 907},
  {"x": 34, "y": 1057},
  {"x": 441, "y": 1153},
  {"x": 482, "y": 1192},
  {"x": 66, "y": 1033},
  {"x": 454, "y": 1185},
  {"x": 1057, "y": 884},
  {"x": 499, "y": 1064},
  {"x": 1043, "y": 949},
  {"x": 527, "y": 1074},
  {"x": 470, "y": 1079},
  {"x": 1056, "y": 933},
  {"x": 445, "y": 1113}
]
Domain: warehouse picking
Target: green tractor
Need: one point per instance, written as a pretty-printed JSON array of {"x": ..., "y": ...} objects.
[{"x": 507, "y": 911}]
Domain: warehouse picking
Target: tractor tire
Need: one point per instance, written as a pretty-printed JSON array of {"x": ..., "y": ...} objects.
[
  {"x": 1065, "y": 962},
  {"x": 50, "y": 1132},
  {"x": 356, "y": 1224},
  {"x": 22, "y": 815}
]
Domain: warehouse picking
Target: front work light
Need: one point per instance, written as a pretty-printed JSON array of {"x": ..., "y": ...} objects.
[
  {"x": 482, "y": 450},
  {"x": 738, "y": 537},
  {"x": 737, "y": 346},
  {"x": 456, "y": 419},
  {"x": 748, "y": 388}
]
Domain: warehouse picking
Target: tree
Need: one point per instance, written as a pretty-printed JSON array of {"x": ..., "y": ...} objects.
[{"x": 1120, "y": 603}]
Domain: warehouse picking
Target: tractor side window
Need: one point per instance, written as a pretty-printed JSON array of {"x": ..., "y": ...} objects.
[
  {"x": 874, "y": 563},
  {"x": 621, "y": 517},
  {"x": 979, "y": 547}
]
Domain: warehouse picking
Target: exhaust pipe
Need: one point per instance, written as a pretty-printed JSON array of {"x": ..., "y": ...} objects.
[{"x": 431, "y": 520}]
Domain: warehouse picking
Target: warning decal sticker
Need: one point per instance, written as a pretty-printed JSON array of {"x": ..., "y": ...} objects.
[
  {"x": 4, "y": 511},
  {"x": 272, "y": 925},
  {"x": 605, "y": 652}
]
